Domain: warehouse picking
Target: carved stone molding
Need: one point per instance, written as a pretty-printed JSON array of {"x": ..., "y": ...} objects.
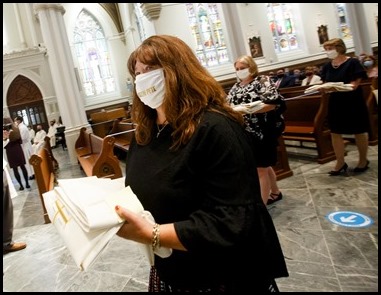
[
  {"x": 151, "y": 10},
  {"x": 24, "y": 52},
  {"x": 46, "y": 6}
]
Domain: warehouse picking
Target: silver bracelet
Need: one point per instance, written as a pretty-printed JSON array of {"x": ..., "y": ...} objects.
[{"x": 155, "y": 237}]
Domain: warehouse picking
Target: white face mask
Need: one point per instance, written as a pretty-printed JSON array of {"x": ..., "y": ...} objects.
[
  {"x": 243, "y": 74},
  {"x": 332, "y": 54},
  {"x": 150, "y": 88}
]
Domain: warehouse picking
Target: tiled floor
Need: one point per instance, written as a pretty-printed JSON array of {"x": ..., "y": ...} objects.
[{"x": 321, "y": 255}]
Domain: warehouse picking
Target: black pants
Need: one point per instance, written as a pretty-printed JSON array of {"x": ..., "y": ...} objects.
[{"x": 7, "y": 212}]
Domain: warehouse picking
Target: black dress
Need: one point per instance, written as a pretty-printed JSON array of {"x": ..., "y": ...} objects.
[
  {"x": 210, "y": 190},
  {"x": 347, "y": 111},
  {"x": 14, "y": 151}
]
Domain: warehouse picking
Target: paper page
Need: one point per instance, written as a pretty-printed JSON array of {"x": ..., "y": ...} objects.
[
  {"x": 84, "y": 247},
  {"x": 249, "y": 108},
  {"x": 87, "y": 230},
  {"x": 101, "y": 214},
  {"x": 338, "y": 86}
]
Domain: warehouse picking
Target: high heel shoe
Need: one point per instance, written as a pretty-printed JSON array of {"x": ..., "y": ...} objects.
[
  {"x": 338, "y": 172},
  {"x": 358, "y": 169},
  {"x": 274, "y": 198}
]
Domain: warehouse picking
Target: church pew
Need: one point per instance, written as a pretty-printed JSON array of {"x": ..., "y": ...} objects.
[
  {"x": 122, "y": 131},
  {"x": 99, "y": 160},
  {"x": 305, "y": 120},
  {"x": 102, "y": 122},
  {"x": 45, "y": 168}
]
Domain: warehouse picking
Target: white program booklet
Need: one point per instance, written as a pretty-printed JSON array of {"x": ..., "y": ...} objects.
[
  {"x": 83, "y": 212},
  {"x": 249, "y": 108},
  {"x": 338, "y": 86}
]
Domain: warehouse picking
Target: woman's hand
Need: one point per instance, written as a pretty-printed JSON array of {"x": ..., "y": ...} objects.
[
  {"x": 266, "y": 108},
  {"x": 135, "y": 227}
]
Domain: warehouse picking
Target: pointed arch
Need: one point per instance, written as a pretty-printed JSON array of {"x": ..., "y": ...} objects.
[{"x": 93, "y": 56}]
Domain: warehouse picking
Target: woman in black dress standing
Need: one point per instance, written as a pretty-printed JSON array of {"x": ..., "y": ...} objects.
[
  {"x": 347, "y": 111},
  {"x": 15, "y": 155}
]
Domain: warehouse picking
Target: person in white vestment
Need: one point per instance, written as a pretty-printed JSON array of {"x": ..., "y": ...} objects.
[
  {"x": 32, "y": 133},
  {"x": 38, "y": 141},
  {"x": 52, "y": 133}
]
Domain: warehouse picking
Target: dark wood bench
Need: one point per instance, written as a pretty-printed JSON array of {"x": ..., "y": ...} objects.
[
  {"x": 123, "y": 131},
  {"x": 102, "y": 122},
  {"x": 82, "y": 144},
  {"x": 373, "y": 115},
  {"x": 368, "y": 95},
  {"x": 45, "y": 171},
  {"x": 306, "y": 121},
  {"x": 95, "y": 155},
  {"x": 282, "y": 167}
]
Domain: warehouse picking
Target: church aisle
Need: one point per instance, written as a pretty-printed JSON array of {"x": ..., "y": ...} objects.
[{"x": 322, "y": 255}]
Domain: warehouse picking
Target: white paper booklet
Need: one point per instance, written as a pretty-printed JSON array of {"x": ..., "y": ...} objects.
[
  {"x": 83, "y": 211},
  {"x": 94, "y": 200},
  {"x": 249, "y": 108},
  {"x": 83, "y": 246},
  {"x": 338, "y": 86}
]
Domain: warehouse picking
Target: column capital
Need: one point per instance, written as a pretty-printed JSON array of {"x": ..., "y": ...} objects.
[
  {"x": 47, "y": 6},
  {"x": 151, "y": 10}
]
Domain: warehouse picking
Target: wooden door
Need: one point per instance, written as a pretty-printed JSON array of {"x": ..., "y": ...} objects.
[{"x": 25, "y": 99}]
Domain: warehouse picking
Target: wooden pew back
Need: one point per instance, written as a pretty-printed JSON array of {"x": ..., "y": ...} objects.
[
  {"x": 306, "y": 121},
  {"x": 294, "y": 91},
  {"x": 301, "y": 111},
  {"x": 100, "y": 161},
  {"x": 45, "y": 171},
  {"x": 123, "y": 132},
  {"x": 102, "y": 122},
  {"x": 372, "y": 105},
  {"x": 82, "y": 145},
  {"x": 96, "y": 143}
]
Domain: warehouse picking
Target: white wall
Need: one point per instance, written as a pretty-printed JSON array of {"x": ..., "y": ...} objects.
[{"x": 24, "y": 32}]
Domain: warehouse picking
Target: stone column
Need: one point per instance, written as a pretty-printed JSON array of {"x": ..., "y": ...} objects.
[
  {"x": 69, "y": 99},
  {"x": 359, "y": 28}
]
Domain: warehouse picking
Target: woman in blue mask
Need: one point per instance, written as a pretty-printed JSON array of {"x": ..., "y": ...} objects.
[
  {"x": 347, "y": 111},
  {"x": 192, "y": 168},
  {"x": 371, "y": 66}
]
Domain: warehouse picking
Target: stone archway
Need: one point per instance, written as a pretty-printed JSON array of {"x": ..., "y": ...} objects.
[{"x": 24, "y": 99}]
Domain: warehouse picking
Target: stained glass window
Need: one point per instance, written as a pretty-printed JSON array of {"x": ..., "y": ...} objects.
[
  {"x": 282, "y": 26},
  {"x": 91, "y": 51},
  {"x": 345, "y": 30},
  {"x": 206, "y": 27}
]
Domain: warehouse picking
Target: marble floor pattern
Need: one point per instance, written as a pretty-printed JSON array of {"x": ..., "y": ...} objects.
[{"x": 321, "y": 256}]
